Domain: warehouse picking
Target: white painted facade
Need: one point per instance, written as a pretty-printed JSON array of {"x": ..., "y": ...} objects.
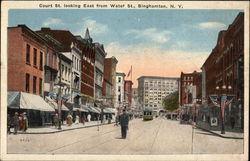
[
  {"x": 76, "y": 74},
  {"x": 65, "y": 70},
  {"x": 120, "y": 89},
  {"x": 152, "y": 90}
]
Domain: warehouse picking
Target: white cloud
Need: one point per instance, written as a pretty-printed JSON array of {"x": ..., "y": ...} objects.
[
  {"x": 210, "y": 25},
  {"x": 181, "y": 44},
  {"x": 151, "y": 34},
  {"x": 94, "y": 27},
  {"x": 50, "y": 21}
]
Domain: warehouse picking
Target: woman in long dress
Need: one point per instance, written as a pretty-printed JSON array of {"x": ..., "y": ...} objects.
[{"x": 77, "y": 119}]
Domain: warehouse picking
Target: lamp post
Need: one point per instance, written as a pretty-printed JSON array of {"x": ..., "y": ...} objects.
[{"x": 222, "y": 98}]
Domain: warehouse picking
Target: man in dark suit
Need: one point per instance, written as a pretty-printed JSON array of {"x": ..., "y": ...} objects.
[{"x": 124, "y": 119}]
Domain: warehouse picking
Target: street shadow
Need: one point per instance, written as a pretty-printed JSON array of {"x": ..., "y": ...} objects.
[
  {"x": 119, "y": 138},
  {"x": 205, "y": 133}
]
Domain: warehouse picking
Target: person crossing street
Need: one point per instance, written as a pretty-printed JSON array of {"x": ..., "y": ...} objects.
[{"x": 124, "y": 120}]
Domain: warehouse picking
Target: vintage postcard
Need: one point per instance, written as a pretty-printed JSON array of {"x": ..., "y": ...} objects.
[{"x": 124, "y": 80}]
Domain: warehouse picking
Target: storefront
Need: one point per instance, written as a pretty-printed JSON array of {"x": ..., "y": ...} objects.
[{"x": 38, "y": 111}]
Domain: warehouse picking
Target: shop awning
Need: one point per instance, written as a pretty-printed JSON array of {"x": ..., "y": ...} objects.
[
  {"x": 22, "y": 100},
  {"x": 76, "y": 95},
  {"x": 111, "y": 110},
  {"x": 53, "y": 104},
  {"x": 93, "y": 109},
  {"x": 105, "y": 110},
  {"x": 80, "y": 109},
  {"x": 90, "y": 109},
  {"x": 98, "y": 109}
]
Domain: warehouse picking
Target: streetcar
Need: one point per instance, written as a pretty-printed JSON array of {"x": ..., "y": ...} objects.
[{"x": 147, "y": 115}]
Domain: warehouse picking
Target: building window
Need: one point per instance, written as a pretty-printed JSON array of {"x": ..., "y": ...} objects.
[
  {"x": 69, "y": 75},
  {"x": 119, "y": 88},
  {"x": 35, "y": 57},
  {"x": 27, "y": 84},
  {"x": 119, "y": 98},
  {"x": 40, "y": 86},
  {"x": 34, "y": 84},
  {"x": 66, "y": 73},
  {"x": 119, "y": 79},
  {"x": 62, "y": 73},
  {"x": 28, "y": 53},
  {"x": 41, "y": 61}
]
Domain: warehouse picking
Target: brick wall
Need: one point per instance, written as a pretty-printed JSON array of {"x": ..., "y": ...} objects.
[{"x": 18, "y": 38}]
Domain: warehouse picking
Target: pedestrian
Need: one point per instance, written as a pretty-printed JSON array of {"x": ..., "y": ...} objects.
[
  {"x": 77, "y": 119},
  {"x": 9, "y": 122},
  {"x": 124, "y": 119},
  {"x": 20, "y": 118},
  {"x": 25, "y": 122},
  {"x": 232, "y": 119},
  {"x": 116, "y": 120},
  {"x": 83, "y": 119},
  {"x": 89, "y": 117},
  {"x": 56, "y": 120},
  {"x": 16, "y": 122},
  {"x": 104, "y": 119},
  {"x": 69, "y": 120}
]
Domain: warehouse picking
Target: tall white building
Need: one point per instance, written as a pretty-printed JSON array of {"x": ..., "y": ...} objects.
[
  {"x": 153, "y": 89},
  {"x": 63, "y": 80},
  {"x": 120, "y": 97},
  {"x": 76, "y": 74},
  {"x": 135, "y": 99}
]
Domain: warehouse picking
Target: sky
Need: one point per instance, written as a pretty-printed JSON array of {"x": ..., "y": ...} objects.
[{"x": 154, "y": 42}]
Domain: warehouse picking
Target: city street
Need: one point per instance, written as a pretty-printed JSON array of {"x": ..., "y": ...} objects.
[{"x": 160, "y": 136}]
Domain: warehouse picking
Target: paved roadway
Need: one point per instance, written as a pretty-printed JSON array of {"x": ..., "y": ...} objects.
[{"x": 159, "y": 136}]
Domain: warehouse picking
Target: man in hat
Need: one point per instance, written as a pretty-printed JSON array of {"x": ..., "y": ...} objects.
[
  {"x": 8, "y": 123},
  {"x": 124, "y": 119},
  {"x": 25, "y": 122},
  {"x": 16, "y": 122}
]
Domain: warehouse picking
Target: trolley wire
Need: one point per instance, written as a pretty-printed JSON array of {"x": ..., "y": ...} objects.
[{"x": 155, "y": 136}]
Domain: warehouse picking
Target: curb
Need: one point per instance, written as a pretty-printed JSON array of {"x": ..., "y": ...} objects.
[
  {"x": 51, "y": 132},
  {"x": 227, "y": 137}
]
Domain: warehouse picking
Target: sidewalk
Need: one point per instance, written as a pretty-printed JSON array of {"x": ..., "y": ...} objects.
[
  {"x": 52, "y": 129},
  {"x": 229, "y": 134}
]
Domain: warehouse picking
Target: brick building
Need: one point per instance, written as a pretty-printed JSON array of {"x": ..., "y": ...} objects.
[
  {"x": 64, "y": 77},
  {"x": 25, "y": 60},
  {"x": 128, "y": 92},
  {"x": 224, "y": 64},
  {"x": 26, "y": 51},
  {"x": 87, "y": 47},
  {"x": 187, "y": 80},
  {"x": 109, "y": 83},
  {"x": 85, "y": 65},
  {"x": 50, "y": 63},
  {"x": 224, "y": 68}
]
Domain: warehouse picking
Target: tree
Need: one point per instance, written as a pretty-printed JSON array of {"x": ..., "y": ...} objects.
[{"x": 170, "y": 102}]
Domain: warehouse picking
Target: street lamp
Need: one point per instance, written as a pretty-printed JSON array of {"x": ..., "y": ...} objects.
[{"x": 222, "y": 98}]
